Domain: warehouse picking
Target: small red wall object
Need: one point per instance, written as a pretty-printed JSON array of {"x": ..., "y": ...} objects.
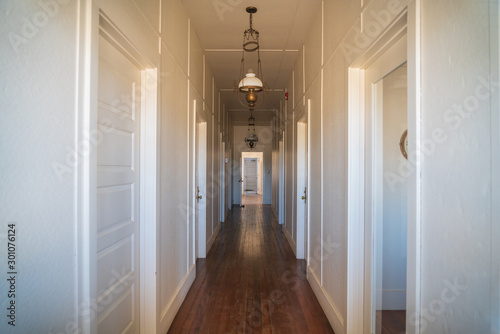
[{"x": 286, "y": 96}]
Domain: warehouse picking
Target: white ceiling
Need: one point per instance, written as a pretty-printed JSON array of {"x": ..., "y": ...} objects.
[{"x": 283, "y": 26}]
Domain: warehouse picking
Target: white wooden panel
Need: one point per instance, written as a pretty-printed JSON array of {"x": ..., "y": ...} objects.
[
  {"x": 120, "y": 317},
  {"x": 118, "y": 191},
  {"x": 113, "y": 115},
  {"x": 115, "y": 205},
  {"x": 111, "y": 175},
  {"x": 117, "y": 60},
  {"x": 116, "y": 149},
  {"x": 251, "y": 175},
  {"x": 119, "y": 90},
  {"x": 114, "y": 233},
  {"x": 114, "y": 263}
]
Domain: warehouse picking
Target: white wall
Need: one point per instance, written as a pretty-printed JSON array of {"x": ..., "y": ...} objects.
[
  {"x": 38, "y": 130},
  {"x": 265, "y": 146},
  {"x": 457, "y": 178}
]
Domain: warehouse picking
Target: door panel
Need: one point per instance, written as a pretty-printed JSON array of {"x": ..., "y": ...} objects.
[
  {"x": 118, "y": 191},
  {"x": 201, "y": 189},
  {"x": 251, "y": 175},
  {"x": 301, "y": 213}
]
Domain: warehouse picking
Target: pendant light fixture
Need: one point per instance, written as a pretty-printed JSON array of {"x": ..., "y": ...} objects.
[
  {"x": 251, "y": 139},
  {"x": 251, "y": 84}
]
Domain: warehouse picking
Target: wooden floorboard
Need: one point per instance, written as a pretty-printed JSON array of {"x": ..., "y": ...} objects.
[
  {"x": 250, "y": 282},
  {"x": 391, "y": 322}
]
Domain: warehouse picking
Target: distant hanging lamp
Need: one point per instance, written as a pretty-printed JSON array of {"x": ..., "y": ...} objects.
[
  {"x": 251, "y": 84},
  {"x": 251, "y": 139}
]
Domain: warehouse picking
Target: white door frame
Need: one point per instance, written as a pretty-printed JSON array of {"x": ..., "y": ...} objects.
[
  {"x": 222, "y": 180},
  {"x": 92, "y": 20},
  {"x": 495, "y": 125},
  {"x": 356, "y": 175},
  {"x": 149, "y": 209}
]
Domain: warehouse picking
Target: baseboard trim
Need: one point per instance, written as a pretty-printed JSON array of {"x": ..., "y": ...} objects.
[
  {"x": 290, "y": 240},
  {"x": 331, "y": 311},
  {"x": 275, "y": 213},
  {"x": 213, "y": 237},
  {"x": 169, "y": 312}
]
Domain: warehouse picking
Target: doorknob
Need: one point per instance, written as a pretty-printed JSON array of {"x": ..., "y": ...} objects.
[
  {"x": 304, "y": 197},
  {"x": 198, "y": 196}
]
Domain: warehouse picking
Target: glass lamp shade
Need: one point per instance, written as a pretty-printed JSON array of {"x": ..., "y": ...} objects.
[
  {"x": 250, "y": 81},
  {"x": 252, "y": 140}
]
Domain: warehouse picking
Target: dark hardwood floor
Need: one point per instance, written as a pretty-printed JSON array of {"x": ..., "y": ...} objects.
[
  {"x": 391, "y": 322},
  {"x": 250, "y": 282}
]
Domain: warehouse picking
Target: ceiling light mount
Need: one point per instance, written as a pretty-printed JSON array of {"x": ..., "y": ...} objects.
[
  {"x": 251, "y": 139},
  {"x": 251, "y": 83},
  {"x": 251, "y": 35}
]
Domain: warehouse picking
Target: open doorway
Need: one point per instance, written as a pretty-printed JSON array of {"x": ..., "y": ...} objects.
[
  {"x": 251, "y": 171},
  {"x": 383, "y": 189},
  {"x": 391, "y": 223},
  {"x": 386, "y": 192}
]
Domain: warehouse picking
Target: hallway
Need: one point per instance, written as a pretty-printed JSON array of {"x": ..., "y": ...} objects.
[
  {"x": 124, "y": 136},
  {"x": 250, "y": 282}
]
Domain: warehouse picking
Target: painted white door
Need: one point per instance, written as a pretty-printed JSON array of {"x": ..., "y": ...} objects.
[
  {"x": 222, "y": 180},
  {"x": 390, "y": 60},
  {"x": 301, "y": 189},
  {"x": 230, "y": 180},
  {"x": 281, "y": 194},
  {"x": 201, "y": 181},
  {"x": 251, "y": 175},
  {"x": 239, "y": 186},
  {"x": 117, "y": 191}
]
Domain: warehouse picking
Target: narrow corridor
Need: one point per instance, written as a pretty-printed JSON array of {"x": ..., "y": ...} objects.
[{"x": 251, "y": 282}]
